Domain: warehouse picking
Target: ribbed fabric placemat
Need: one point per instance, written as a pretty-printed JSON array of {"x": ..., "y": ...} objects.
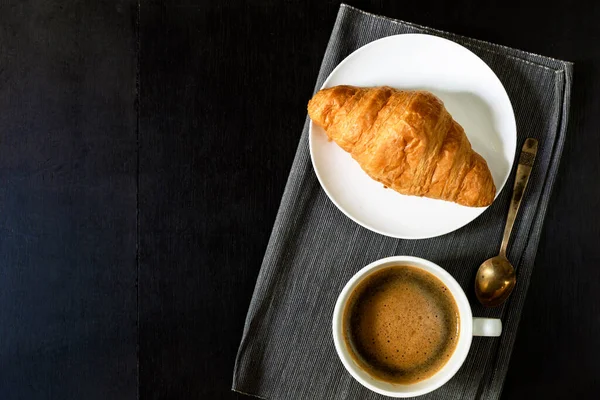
[{"x": 287, "y": 350}]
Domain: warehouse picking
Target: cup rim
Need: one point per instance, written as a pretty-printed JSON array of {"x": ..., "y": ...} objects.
[{"x": 452, "y": 365}]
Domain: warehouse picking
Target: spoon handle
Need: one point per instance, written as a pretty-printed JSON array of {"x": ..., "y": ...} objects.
[{"x": 526, "y": 160}]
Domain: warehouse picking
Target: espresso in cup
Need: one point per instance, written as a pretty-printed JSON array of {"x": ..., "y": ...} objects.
[{"x": 401, "y": 324}]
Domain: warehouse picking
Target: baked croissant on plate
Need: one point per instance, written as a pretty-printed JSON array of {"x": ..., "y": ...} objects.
[{"x": 407, "y": 140}]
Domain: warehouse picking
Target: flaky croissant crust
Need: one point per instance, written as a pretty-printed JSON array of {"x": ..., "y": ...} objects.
[{"x": 407, "y": 140}]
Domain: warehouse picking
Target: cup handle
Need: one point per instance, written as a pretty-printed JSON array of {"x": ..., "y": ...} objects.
[{"x": 490, "y": 327}]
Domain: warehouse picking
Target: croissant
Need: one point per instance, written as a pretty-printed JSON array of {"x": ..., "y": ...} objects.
[{"x": 407, "y": 140}]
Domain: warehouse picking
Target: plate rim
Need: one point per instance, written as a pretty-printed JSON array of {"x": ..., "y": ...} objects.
[{"x": 367, "y": 225}]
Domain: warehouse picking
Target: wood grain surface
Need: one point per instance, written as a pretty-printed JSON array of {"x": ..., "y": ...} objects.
[
  {"x": 144, "y": 148},
  {"x": 68, "y": 303}
]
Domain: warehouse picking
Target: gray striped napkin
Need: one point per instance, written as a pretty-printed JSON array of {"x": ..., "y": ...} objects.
[{"x": 287, "y": 349}]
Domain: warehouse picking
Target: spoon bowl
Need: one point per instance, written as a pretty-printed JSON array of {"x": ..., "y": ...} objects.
[{"x": 495, "y": 281}]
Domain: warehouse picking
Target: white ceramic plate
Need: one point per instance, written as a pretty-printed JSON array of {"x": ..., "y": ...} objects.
[{"x": 473, "y": 95}]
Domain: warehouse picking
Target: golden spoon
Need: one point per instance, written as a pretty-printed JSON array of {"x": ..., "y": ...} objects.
[{"x": 496, "y": 277}]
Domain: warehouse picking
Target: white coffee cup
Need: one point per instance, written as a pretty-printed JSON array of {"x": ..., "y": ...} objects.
[{"x": 469, "y": 327}]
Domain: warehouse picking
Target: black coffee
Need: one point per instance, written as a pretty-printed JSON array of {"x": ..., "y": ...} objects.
[{"x": 401, "y": 324}]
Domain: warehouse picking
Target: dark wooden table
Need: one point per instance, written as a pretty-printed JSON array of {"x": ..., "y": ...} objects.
[{"x": 144, "y": 148}]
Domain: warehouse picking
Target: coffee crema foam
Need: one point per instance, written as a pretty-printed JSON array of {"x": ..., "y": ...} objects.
[{"x": 401, "y": 324}]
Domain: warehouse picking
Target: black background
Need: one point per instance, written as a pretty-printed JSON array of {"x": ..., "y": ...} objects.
[{"x": 144, "y": 148}]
